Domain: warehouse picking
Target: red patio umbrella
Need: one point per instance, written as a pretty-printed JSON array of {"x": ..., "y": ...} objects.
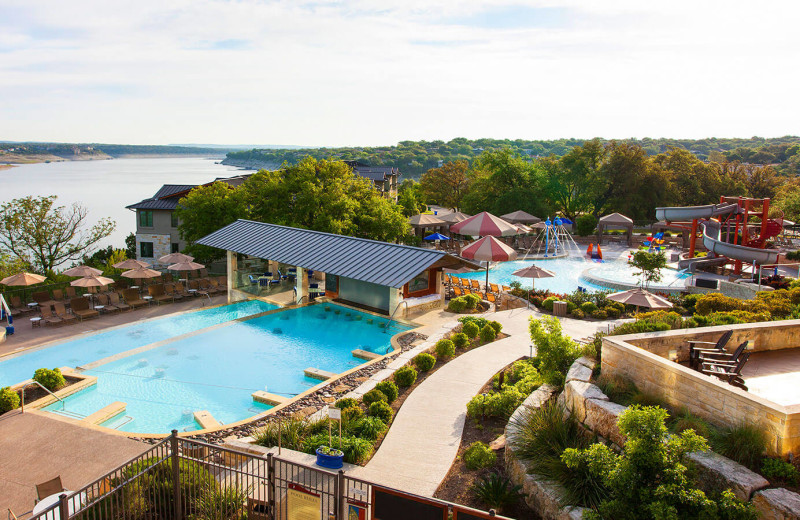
[
  {"x": 484, "y": 224},
  {"x": 488, "y": 249}
]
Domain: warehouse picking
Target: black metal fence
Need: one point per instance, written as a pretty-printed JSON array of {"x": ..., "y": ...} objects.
[{"x": 183, "y": 479}]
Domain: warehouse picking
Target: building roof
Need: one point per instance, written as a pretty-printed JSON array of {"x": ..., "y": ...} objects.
[
  {"x": 165, "y": 198},
  {"x": 374, "y": 173},
  {"x": 371, "y": 261}
]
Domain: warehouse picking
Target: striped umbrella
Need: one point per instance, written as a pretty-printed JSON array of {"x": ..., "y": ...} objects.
[
  {"x": 488, "y": 249},
  {"x": 484, "y": 224}
]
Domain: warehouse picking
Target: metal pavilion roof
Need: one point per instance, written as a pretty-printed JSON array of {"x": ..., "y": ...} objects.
[{"x": 371, "y": 261}]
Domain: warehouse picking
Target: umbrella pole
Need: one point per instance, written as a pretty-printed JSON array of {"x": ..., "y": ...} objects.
[{"x": 486, "y": 285}]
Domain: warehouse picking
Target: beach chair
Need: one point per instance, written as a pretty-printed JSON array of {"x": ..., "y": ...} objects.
[
  {"x": 61, "y": 312},
  {"x": 132, "y": 298},
  {"x": 80, "y": 308},
  {"x": 494, "y": 288},
  {"x": 58, "y": 295},
  {"x": 718, "y": 346},
  {"x": 48, "y": 316},
  {"x": 170, "y": 290},
  {"x": 105, "y": 301},
  {"x": 69, "y": 293},
  {"x": 728, "y": 372},
  {"x": 196, "y": 289},
  {"x": 475, "y": 284},
  {"x": 51, "y": 487},
  {"x": 722, "y": 356},
  {"x": 15, "y": 303},
  {"x": 115, "y": 301},
  {"x": 42, "y": 298},
  {"x": 491, "y": 298},
  {"x": 506, "y": 288},
  {"x": 158, "y": 294},
  {"x": 457, "y": 292}
]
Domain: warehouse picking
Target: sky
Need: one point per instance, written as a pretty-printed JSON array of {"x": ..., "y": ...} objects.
[{"x": 375, "y": 72}]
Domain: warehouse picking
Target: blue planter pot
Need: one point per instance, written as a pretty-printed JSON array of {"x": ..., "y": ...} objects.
[{"x": 329, "y": 461}]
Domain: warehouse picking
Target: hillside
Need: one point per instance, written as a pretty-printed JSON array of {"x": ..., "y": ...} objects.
[{"x": 34, "y": 152}]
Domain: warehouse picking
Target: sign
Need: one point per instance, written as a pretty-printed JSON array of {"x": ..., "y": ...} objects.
[
  {"x": 302, "y": 504},
  {"x": 356, "y": 510},
  {"x": 335, "y": 413}
]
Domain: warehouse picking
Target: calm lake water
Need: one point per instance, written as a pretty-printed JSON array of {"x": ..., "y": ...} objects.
[{"x": 106, "y": 187}]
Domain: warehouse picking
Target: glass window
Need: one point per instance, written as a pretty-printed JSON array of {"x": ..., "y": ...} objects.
[
  {"x": 146, "y": 249},
  {"x": 420, "y": 282},
  {"x": 174, "y": 248},
  {"x": 174, "y": 219},
  {"x": 145, "y": 218}
]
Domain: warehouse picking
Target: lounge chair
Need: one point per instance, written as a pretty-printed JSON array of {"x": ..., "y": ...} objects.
[
  {"x": 105, "y": 301},
  {"x": 194, "y": 286},
  {"x": 113, "y": 298},
  {"x": 722, "y": 356},
  {"x": 475, "y": 284},
  {"x": 728, "y": 372},
  {"x": 42, "y": 298},
  {"x": 169, "y": 290},
  {"x": 158, "y": 294},
  {"x": 61, "y": 312},
  {"x": 216, "y": 286},
  {"x": 15, "y": 303},
  {"x": 495, "y": 289},
  {"x": 69, "y": 293},
  {"x": 48, "y": 316},
  {"x": 51, "y": 487},
  {"x": 132, "y": 298},
  {"x": 718, "y": 346},
  {"x": 457, "y": 292},
  {"x": 80, "y": 308},
  {"x": 58, "y": 295}
]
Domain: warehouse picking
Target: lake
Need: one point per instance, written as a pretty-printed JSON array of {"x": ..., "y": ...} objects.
[{"x": 106, "y": 187}]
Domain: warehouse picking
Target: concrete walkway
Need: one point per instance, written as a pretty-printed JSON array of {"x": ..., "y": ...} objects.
[{"x": 426, "y": 433}]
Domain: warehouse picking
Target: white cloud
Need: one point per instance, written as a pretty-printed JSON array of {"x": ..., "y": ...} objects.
[{"x": 366, "y": 72}]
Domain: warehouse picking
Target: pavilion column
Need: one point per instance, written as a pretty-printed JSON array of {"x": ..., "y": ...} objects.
[
  {"x": 301, "y": 283},
  {"x": 395, "y": 297},
  {"x": 233, "y": 271}
]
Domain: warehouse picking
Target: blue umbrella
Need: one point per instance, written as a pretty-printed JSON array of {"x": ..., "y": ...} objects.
[
  {"x": 565, "y": 220},
  {"x": 437, "y": 236}
]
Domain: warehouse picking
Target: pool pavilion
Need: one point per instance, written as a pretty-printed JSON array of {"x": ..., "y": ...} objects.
[{"x": 289, "y": 265}]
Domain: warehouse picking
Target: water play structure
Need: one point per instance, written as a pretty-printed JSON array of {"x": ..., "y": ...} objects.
[
  {"x": 554, "y": 241},
  {"x": 736, "y": 230}
]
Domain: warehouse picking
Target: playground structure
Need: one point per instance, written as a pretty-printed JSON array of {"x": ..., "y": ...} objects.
[
  {"x": 746, "y": 226},
  {"x": 598, "y": 255},
  {"x": 654, "y": 242},
  {"x": 554, "y": 241}
]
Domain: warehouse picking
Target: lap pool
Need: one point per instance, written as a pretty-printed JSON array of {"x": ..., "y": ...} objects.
[{"x": 221, "y": 365}]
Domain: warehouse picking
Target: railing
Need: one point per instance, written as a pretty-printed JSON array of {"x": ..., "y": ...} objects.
[
  {"x": 391, "y": 318},
  {"x": 37, "y": 383}
]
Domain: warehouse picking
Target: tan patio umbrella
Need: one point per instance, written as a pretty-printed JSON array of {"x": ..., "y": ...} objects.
[
  {"x": 23, "y": 279},
  {"x": 185, "y": 266},
  {"x": 141, "y": 273},
  {"x": 533, "y": 272},
  {"x": 82, "y": 270},
  {"x": 454, "y": 217},
  {"x": 130, "y": 263},
  {"x": 640, "y": 298},
  {"x": 520, "y": 217},
  {"x": 91, "y": 281},
  {"x": 175, "y": 258}
]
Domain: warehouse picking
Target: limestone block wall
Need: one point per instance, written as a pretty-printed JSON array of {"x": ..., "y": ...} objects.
[{"x": 162, "y": 245}]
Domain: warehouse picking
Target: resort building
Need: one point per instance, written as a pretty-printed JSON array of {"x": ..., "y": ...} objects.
[
  {"x": 385, "y": 178},
  {"x": 289, "y": 264}
]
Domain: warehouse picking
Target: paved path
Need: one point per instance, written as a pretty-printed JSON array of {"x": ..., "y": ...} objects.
[{"x": 425, "y": 436}]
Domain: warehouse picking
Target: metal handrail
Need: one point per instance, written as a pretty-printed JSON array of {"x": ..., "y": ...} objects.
[
  {"x": 294, "y": 297},
  {"x": 391, "y": 318},
  {"x": 37, "y": 383}
]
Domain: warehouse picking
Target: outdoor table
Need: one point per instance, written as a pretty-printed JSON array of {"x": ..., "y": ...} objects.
[
  {"x": 149, "y": 299},
  {"x": 50, "y": 501},
  {"x": 33, "y": 304},
  {"x": 36, "y": 322},
  {"x": 99, "y": 308}
]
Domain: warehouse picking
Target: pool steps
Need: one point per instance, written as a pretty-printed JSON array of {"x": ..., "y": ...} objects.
[
  {"x": 107, "y": 412},
  {"x": 206, "y": 420},
  {"x": 317, "y": 373},
  {"x": 364, "y": 354},
  {"x": 267, "y": 398}
]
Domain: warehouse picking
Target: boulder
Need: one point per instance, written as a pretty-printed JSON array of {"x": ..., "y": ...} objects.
[
  {"x": 540, "y": 496},
  {"x": 586, "y": 361},
  {"x": 602, "y": 417},
  {"x": 572, "y": 513},
  {"x": 498, "y": 444},
  {"x": 575, "y": 395},
  {"x": 539, "y": 396},
  {"x": 717, "y": 473},
  {"x": 777, "y": 504},
  {"x": 578, "y": 372}
]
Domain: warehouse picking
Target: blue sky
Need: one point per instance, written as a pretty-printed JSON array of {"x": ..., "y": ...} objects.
[{"x": 379, "y": 71}]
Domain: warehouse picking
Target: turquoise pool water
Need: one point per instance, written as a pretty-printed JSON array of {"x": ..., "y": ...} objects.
[
  {"x": 218, "y": 370},
  {"x": 93, "y": 347}
]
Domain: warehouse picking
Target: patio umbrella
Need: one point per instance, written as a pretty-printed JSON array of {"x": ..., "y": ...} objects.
[
  {"x": 185, "y": 266},
  {"x": 91, "y": 281},
  {"x": 523, "y": 229},
  {"x": 640, "y": 298},
  {"x": 23, "y": 279},
  {"x": 484, "y": 224},
  {"x": 424, "y": 220},
  {"x": 520, "y": 217},
  {"x": 488, "y": 249},
  {"x": 82, "y": 270},
  {"x": 141, "y": 273},
  {"x": 534, "y": 272},
  {"x": 437, "y": 236},
  {"x": 455, "y": 217},
  {"x": 130, "y": 263},
  {"x": 175, "y": 258}
]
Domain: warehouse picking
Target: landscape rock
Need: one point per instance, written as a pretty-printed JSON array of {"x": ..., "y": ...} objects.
[
  {"x": 717, "y": 473},
  {"x": 575, "y": 395},
  {"x": 602, "y": 417},
  {"x": 572, "y": 513},
  {"x": 542, "y": 497},
  {"x": 578, "y": 372},
  {"x": 498, "y": 444},
  {"x": 537, "y": 398},
  {"x": 586, "y": 361},
  {"x": 777, "y": 504}
]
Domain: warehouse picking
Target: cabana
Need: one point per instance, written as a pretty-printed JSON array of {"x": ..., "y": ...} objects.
[
  {"x": 615, "y": 221},
  {"x": 425, "y": 221}
]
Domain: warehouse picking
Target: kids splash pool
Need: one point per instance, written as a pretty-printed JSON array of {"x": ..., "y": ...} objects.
[{"x": 217, "y": 368}]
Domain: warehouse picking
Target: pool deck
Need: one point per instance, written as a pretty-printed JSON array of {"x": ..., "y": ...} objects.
[{"x": 25, "y": 336}]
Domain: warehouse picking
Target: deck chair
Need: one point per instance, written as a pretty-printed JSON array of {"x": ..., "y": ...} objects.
[
  {"x": 728, "y": 372},
  {"x": 494, "y": 288},
  {"x": 158, "y": 294},
  {"x": 42, "y": 298},
  {"x": 169, "y": 290},
  {"x": 475, "y": 284},
  {"x": 80, "y": 308},
  {"x": 58, "y": 295},
  {"x": 51, "y": 487},
  {"x": 718, "y": 346},
  {"x": 491, "y": 298},
  {"x": 69, "y": 293},
  {"x": 132, "y": 298},
  {"x": 198, "y": 291},
  {"x": 722, "y": 356},
  {"x": 16, "y": 306},
  {"x": 61, "y": 312},
  {"x": 48, "y": 316},
  {"x": 113, "y": 298},
  {"x": 457, "y": 292},
  {"x": 105, "y": 301}
]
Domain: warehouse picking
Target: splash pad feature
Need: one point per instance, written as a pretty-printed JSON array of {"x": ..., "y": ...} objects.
[{"x": 554, "y": 241}]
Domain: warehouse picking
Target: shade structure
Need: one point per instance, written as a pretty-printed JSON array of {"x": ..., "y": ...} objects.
[
  {"x": 534, "y": 272},
  {"x": 437, "y": 236},
  {"x": 484, "y": 224},
  {"x": 424, "y": 220},
  {"x": 520, "y": 217},
  {"x": 82, "y": 270},
  {"x": 175, "y": 258},
  {"x": 91, "y": 281},
  {"x": 640, "y": 298},
  {"x": 141, "y": 273},
  {"x": 185, "y": 266},
  {"x": 454, "y": 217},
  {"x": 523, "y": 229},
  {"x": 615, "y": 221},
  {"x": 130, "y": 263},
  {"x": 488, "y": 249},
  {"x": 23, "y": 279}
]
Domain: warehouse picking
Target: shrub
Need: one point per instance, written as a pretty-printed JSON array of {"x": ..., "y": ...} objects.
[
  {"x": 585, "y": 224},
  {"x": 547, "y": 304},
  {"x": 346, "y": 402},
  {"x": 498, "y": 404},
  {"x": 50, "y": 379},
  {"x": 370, "y": 428},
  {"x": 716, "y": 302},
  {"x": 352, "y": 414},
  {"x": 472, "y": 300},
  {"x": 479, "y": 456},
  {"x": 793, "y": 255},
  {"x": 355, "y": 449},
  {"x": 744, "y": 443},
  {"x": 488, "y": 334},
  {"x": 471, "y": 330},
  {"x": 457, "y": 305},
  {"x": 612, "y": 312},
  {"x": 389, "y": 389},
  {"x": 374, "y": 396},
  {"x": 405, "y": 376},
  {"x": 554, "y": 351},
  {"x": 460, "y": 340},
  {"x": 477, "y": 320},
  {"x": 600, "y": 314},
  {"x": 578, "y": 314},
  {"x": 619, "y": 389},
  {"x": 425, "y": 361},
  {"x": 686, "y": 420},
  {"x": 781, "y": 471},
  {"x": 496, "y": 492},
  {"x": 221, "y": 502},
  {"x": 689, "y": 301},
  {"x": 571, "y": 306},
  {"x": 381, "y": 410},
  {"x": 153, "y": 492},
  {"x": 293, "y": 431},
  {"x": 497, "y": 326},
  {"x": 9, "y": 400},
  {"x": 445, "y": 349},
  {"x": 588, "y": 307}
]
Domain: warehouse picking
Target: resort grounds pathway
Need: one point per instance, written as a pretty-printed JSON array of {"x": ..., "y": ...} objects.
[{"x": 426, "y": 433}]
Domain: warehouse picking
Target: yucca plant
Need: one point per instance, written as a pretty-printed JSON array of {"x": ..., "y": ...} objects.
[{"x": 496, "y": 491}]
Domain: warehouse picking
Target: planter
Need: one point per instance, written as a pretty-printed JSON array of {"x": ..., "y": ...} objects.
[{"x": 329, "y": 461}]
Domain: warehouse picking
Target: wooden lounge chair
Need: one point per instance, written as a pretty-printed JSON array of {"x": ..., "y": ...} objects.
[
  {"x": 194, "y": 286},
  {"x": 15, "y": 303},
  {"x": 80, "y": 308},
  {"x": 722, "y": 356},
  {"x": 728, "y": 372},
  {"x": 48, "y": 316},
  {"x": 70, "y": 293},
  {"x": 132, "y": 298},
  {"x": 158, "y": 294},
  {"x": 61, "y": 312},
  {"x": 718, "y": 346},
  {"x": 58, "y": 295},
  {"x": 51, "y": 487},
  {"x": 115, "y": 301},
  {"x": 169, "y": 290},
  {"x": 105, "y": 301},
  {"x": 42, "y": 298}
]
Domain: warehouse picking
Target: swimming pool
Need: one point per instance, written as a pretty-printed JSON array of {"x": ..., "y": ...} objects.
[{"x": 218, "y": 369}]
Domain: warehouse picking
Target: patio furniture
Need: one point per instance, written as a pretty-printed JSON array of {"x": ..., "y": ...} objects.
[
  {"x": 80, "y": 308},
  {"x": 194, "y": 287},
  {"x": 728, "y": 372},
  {"x": 51, "y": 487},
  {"x": 69, "y": 293},
  {"x": 17, "y": 307},
  {"x": 722, "y": 356},
  {"x": 719, "y": 346},
  {"x": 48, "y": 316},
  {"x": 61, "y": 311},
  {"x": 42, "y": 298},
  {"x": 105, "y": 303},
  {"x": 36, "y": 322},
  {"x": 169, "y": 290},
  {"x": 132, "y": 298},
  {"x": 113, "y": 298},
  {"x": 158, "y": 294}
]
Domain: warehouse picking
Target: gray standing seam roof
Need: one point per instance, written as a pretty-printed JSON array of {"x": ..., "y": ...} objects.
[{"x": 371, "y": 261}]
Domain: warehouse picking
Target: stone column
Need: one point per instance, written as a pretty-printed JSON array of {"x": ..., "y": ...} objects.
[
  {"x": 395, "y": 297},
  {"x": 233, "y": 271},
  {"x": 301, "y": 283}
]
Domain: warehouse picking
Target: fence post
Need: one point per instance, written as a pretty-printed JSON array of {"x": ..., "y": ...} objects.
[
  {"x": 176, "y": 475},
  {"x": 63, "y": 507},
  {"x": 340, "y": 494},
  {"x": 271, "y": 485}
]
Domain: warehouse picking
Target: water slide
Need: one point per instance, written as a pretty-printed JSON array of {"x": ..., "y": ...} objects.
[{"x": 695, "y": 212}]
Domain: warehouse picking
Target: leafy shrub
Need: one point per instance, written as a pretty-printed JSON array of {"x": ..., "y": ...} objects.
[
  {"x": 524, "y": 376},
  {"x": 479, "y": 456},
  {"x": 445, "y": 349},
  {"x": 547, "y": 304},
  {"x": 497, "y": 326},
  {"x": 600, "y": 314},
  {"x": 50, "y": 379},
  {"x": 778, "y": 303},
  {"x": 793, "y": 255},
  {"x": 578, "y": 314},
  {"x": 293, "y": 431},
  {"x": 588, "y": 307},
  {"x": 355, "y": 449},
  {"x": 554, "y": 351},
  {"x": 9, "y": 400},
  {"x": 488, "y": 334},
  {"x": 477, "y": 320},
  {"x": 472, "y": 300},
  {"x": 498, "y": 404},
  {"x": 585, "y": 224},
  {"x": 689, "y": 301},
  {"x": 389, "y": 389},
  {"x": 381, "y": 410},
  {"x": 619, "y": 389},
  {"x": 496, "y": 491},
  {"x": 369, "y": 428},
  {"x": 221, "y": 503},
  {"x": 457, "y": 305},
  {"x": 471, "y": 330},
  {"x": 637, "y": 327},
  {"x": 425, "y": 361},
  {"x": 571, "y": 306},
  {"x": 781, "y": 471},
  {"x": 346, "y": 402},
  {"x": 460, "y": 340},
  {"x": 352, "y": 414},
  {"x": 716, "y": 302},
  {"x": 612, "y": 312},
  {"x": 374, "y": 396},
  {"x": 154, "y": 490},
  {"x": 405, "y": 376},
  {"x": 744, "y": 443},
  {"x": 733, "y": 317}
]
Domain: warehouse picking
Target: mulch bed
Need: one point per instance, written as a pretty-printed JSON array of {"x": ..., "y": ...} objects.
[{"x": 36, "y": 392}]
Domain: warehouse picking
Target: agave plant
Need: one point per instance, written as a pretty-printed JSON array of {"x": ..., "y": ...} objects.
[{"x": 497, "y": 491}]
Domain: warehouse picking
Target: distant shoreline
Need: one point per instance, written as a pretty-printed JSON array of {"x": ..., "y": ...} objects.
[
  {"x": 6, "y": 166},
  {"x": 10, "y": 160}
]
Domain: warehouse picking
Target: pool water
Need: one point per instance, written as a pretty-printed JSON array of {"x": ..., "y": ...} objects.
[
  {"x": 218, "y": 370},
  {"x": 93, "y": 347}
]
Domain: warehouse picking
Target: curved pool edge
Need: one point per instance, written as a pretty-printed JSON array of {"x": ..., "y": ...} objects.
[{"x": 617, "y": 285}]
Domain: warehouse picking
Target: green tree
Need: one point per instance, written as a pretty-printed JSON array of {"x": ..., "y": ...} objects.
[
  {"x": 204, "y": 210},
  {"x": 130, "y": 245},
  {"x": 573, "y": 179},
  {"x": 37, "y": 232},
  {"x": 446, "y": 185},
  {"x": 11, "y": 264},
  {"x": 649, "y": 265},
  {"x": 410, "y": 198}
]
